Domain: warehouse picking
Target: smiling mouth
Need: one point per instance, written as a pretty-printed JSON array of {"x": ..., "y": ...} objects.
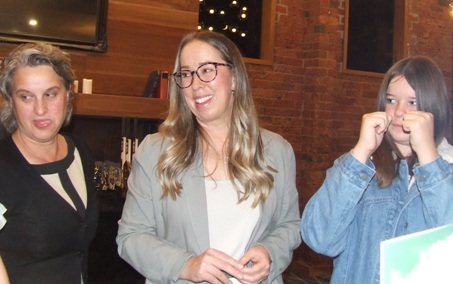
[{"x": 203, "y": 99}]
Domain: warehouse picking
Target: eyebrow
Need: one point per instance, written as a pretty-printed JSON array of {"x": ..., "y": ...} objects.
[
  {"x": 199, "y": 64},
  {"x": 394, "y": 96},
  {"x": 29, "y": 92}
]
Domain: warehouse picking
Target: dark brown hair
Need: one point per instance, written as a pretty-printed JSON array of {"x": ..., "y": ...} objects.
[{"x": 427, "y": 80}]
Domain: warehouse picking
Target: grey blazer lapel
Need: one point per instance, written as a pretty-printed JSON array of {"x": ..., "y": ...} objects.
[{"x": 194, "y": 189}]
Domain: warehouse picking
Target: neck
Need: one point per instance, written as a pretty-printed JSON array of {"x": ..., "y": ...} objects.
[
  {"x": 215, "y": 157},
  {"x": 40, "y": 152}
]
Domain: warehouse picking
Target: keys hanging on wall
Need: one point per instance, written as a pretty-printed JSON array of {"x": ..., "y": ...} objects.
[
  {"x": 129, "y": 139},
  {"x": 129, "y": 144},
  {"x": 134, "y": 139}
]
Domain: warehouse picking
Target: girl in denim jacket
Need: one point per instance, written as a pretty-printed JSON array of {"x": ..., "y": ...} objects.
[{"x": 397, "y": 180}]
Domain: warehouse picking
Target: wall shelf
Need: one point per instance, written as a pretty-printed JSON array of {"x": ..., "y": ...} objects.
[{"x": 120, "y": 106}]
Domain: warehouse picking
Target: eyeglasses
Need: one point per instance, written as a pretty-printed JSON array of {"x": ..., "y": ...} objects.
[{"x": 206, "y": 72}]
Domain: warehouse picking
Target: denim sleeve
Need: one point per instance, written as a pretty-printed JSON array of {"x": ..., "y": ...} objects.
[
  {"x": 435, "y": 184},
  {"x": 329, "y": 213}
]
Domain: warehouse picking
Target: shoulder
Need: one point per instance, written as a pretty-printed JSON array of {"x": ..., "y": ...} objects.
[
  {"x": 8, "y": 150},
  {"x": 75, "y": 139},
  {"x": 6, "y": 142},
  {"x": 445, "y": 151},
  {"x": 83, "y": 150},
  {"x": 272, "y": 140},
  {"x": 79, "y": 144},
  {"x": 277, "y": 148},
  {"x": 154, "y": 140},
  {"x": 152, "y": 144}
]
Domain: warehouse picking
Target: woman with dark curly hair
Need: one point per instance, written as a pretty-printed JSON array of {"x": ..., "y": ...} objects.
[{"x": 46, "y": 177}]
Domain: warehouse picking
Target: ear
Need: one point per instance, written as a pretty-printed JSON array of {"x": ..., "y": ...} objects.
[{"x": 233, "y": 83}]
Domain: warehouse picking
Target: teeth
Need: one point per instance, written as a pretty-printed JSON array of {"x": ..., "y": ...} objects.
[{"x": 203, "y": 99}]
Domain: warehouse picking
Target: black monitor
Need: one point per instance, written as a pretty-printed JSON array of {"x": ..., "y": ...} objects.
[{"x": 79, "y": 24}]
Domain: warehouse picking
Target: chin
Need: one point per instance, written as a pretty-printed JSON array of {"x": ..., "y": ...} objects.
[{"x": 400, "y": 138}]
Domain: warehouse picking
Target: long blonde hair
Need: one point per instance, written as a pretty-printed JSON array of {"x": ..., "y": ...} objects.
[{"x": 246, "y": 159}]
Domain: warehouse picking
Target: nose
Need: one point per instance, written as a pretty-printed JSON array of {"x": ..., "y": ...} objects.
[
  {"x": 40, "y": 106},
  {"x": 196, "y": 82},
  {"x": 400, "y": 109}
]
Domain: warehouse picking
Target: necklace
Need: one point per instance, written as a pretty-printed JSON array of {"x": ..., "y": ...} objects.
[{"x": 216, "y": 163}]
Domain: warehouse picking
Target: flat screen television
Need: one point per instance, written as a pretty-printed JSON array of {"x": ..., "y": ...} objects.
[{"x": 79, "y": 24}]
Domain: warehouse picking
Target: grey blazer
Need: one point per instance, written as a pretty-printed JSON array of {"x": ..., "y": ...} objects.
[{"x": 157, "y": 236}]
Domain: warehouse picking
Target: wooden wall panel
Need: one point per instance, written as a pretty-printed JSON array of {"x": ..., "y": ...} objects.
[
  {"x": 184, "y": 5},
  {"x": 142, "y": 36}
]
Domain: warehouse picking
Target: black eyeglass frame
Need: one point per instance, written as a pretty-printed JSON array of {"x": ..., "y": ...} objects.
[{"x": 178, "y": 73}]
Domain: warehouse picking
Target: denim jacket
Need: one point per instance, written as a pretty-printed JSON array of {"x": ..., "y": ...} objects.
[{"x": 350, "y": 215}]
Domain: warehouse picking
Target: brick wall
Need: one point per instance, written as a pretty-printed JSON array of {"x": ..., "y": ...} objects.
[{"x": 305, "y": 97}]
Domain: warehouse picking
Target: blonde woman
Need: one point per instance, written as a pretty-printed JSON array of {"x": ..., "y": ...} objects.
[{"x": 212, "y": 197}]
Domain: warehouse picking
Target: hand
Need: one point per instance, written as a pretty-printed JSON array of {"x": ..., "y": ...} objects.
[
  {"x": 259, "y": 271},
  {"x": 210, "y": 266},
  {"x": 374, "y": 126},
  {"x": 420, "y": 124}
]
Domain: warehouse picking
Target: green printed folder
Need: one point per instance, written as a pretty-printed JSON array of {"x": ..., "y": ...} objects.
[{"x": 422, "y": 257}]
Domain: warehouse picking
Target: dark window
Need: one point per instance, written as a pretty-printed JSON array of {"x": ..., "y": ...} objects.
[
  {"x": 370, "y": 36},
  {"x": 239, "y": 20},
  {"x": 375, "y": 35}
]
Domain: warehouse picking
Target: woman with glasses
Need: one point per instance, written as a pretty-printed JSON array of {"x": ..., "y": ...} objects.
[{"x": 212, "y": 196}]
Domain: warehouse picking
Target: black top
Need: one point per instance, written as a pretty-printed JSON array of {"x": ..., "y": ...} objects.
[{"x": 45, "y": 240}]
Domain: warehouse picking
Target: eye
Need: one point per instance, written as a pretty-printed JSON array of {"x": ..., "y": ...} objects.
[
  {"x": 413, "y": 103},
  {"x": 390, "y": 101},
  {"x": 184, "y": 74},
  {"x": 24, "y": 96},
  {"x": 51, "y": 95},
  {"x": 207, "y": 69}
]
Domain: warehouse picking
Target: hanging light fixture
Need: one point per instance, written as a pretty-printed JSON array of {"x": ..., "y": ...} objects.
[{"x": 450, "y": 9}]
